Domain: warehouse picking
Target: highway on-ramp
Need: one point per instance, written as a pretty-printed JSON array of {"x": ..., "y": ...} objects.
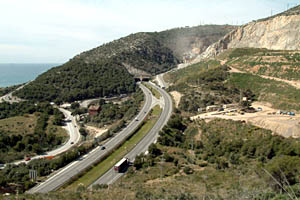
[
  {"x": 111, "y": 176},
  {"x": 74, "y": 138},
  {"x": 74, "y": 168}
]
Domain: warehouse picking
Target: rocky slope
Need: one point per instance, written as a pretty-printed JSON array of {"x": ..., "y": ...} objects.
[{"x": 279, "y": 32}]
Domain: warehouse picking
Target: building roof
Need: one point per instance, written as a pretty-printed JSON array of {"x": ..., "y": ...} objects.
[{"x": 93, "y": 107}]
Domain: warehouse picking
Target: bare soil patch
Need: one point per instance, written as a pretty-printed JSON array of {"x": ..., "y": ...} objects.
[
  {"x": 285, "y": 125},
  {"x": 177, "y": 96},
  {"x": 96, "y": 132}
]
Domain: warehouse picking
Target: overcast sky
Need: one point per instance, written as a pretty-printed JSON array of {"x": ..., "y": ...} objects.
[{"x": 39, "y": 31}]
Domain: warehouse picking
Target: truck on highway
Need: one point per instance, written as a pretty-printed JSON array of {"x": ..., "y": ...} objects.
[
  {"x": 121, "y": 165},
  {"x": 49, "y": 157}
]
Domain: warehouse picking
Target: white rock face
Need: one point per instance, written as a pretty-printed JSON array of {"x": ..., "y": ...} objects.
[{"x": 278, "y": 33}]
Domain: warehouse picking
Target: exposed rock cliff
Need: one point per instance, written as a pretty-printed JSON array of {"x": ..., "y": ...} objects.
[{"x": 280, "y": 32}]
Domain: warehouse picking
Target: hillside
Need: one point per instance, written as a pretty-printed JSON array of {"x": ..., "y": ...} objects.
[
  {"x": 279, "y": 32},
  {"x": 282, "y": 64},
  {"x": 139, "y": 53},
  {"x": 109, "y": 70},
  {"x": 188, "y": 42},
  {"x": 220, "y": 159},
  {"x": 78, "y": 80},
  {"x": 209, "y": 82},
  {"x": 215, "y": 83},
  {"x": 155, "y": 52}
]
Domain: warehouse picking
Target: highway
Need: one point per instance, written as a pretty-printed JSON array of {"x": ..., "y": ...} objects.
[
  {"x": 74, "y": 168},
  {"x": 161, "y": 81},
  {"x": 73, "y": 131},
  {"x": 111, "y": 176}
]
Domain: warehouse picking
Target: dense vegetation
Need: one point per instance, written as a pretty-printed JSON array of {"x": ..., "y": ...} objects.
[
  {"x": 19, "y": 174},
  {"x": 6, "y": 90},
  {"x": 111, "y": 112},
  {"x": 78, "y": 80},
  {"x": 14, "y": 145}
]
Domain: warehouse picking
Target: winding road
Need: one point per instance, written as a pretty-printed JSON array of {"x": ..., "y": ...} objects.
[
  {"x": 72, "y": 128},
  {"x": 74, "y": 138},
  {"x": 74, "y": 168}
]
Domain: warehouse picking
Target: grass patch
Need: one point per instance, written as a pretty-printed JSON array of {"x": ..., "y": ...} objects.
[
  {"x": 97, "y": 171},
  {"x": 19, "y": 125},
  {"x": 153, "y": 91},
  {"x": 58, "y": 131}
]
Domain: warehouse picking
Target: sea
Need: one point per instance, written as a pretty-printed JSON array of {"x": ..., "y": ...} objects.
[{"x": 14, "y": 74}]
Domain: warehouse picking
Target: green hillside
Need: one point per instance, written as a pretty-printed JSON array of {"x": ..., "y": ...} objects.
[
  {"x": 210, "y": 83},
  {"x": 78, "y": 80},
  {"x": 104, "y": 71}
]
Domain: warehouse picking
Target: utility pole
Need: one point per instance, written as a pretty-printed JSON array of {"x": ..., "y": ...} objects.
[
  {"x": 241, "y": 97},
  {"x": 161, "y": 162}
]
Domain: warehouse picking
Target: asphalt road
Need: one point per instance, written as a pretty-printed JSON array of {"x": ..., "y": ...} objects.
[
  {"x": 161, "y": 81},
  {"x": 111, "y": 176},
  {"x": 12, "y": 99},
  {"x": 71, "y": 128},
  {"x": 74, "y": 168},
  {"x": 73, "y": 133},
  {"x": 74, "y": 137}
]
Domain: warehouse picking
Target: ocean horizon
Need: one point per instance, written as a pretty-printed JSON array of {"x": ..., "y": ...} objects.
[{"x": 18, "y": 73}]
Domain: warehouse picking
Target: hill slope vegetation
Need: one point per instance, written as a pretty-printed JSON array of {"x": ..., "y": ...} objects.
[{"x": 109, "y": 70}]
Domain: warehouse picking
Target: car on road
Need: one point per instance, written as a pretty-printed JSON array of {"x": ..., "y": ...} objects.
[
  {"x": 2, "y": 166},
  {"x": 27, "y": 159},
  {"x": 72, "y": 142},
  {"x": 103, "y": 147},
  {"x": 136, "y": 119}
]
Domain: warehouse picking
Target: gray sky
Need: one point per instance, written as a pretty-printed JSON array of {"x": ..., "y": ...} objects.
[{"x": 35, "y": 31}]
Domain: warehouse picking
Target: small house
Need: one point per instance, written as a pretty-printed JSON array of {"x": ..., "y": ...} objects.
[
  {"x": 212, "y": 108},
  {"x": 227, "y": 106},
  {"x": 94, "y": 110}
]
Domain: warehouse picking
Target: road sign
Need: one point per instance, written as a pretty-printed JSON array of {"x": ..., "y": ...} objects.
[{"x": 32, "y": 174}]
